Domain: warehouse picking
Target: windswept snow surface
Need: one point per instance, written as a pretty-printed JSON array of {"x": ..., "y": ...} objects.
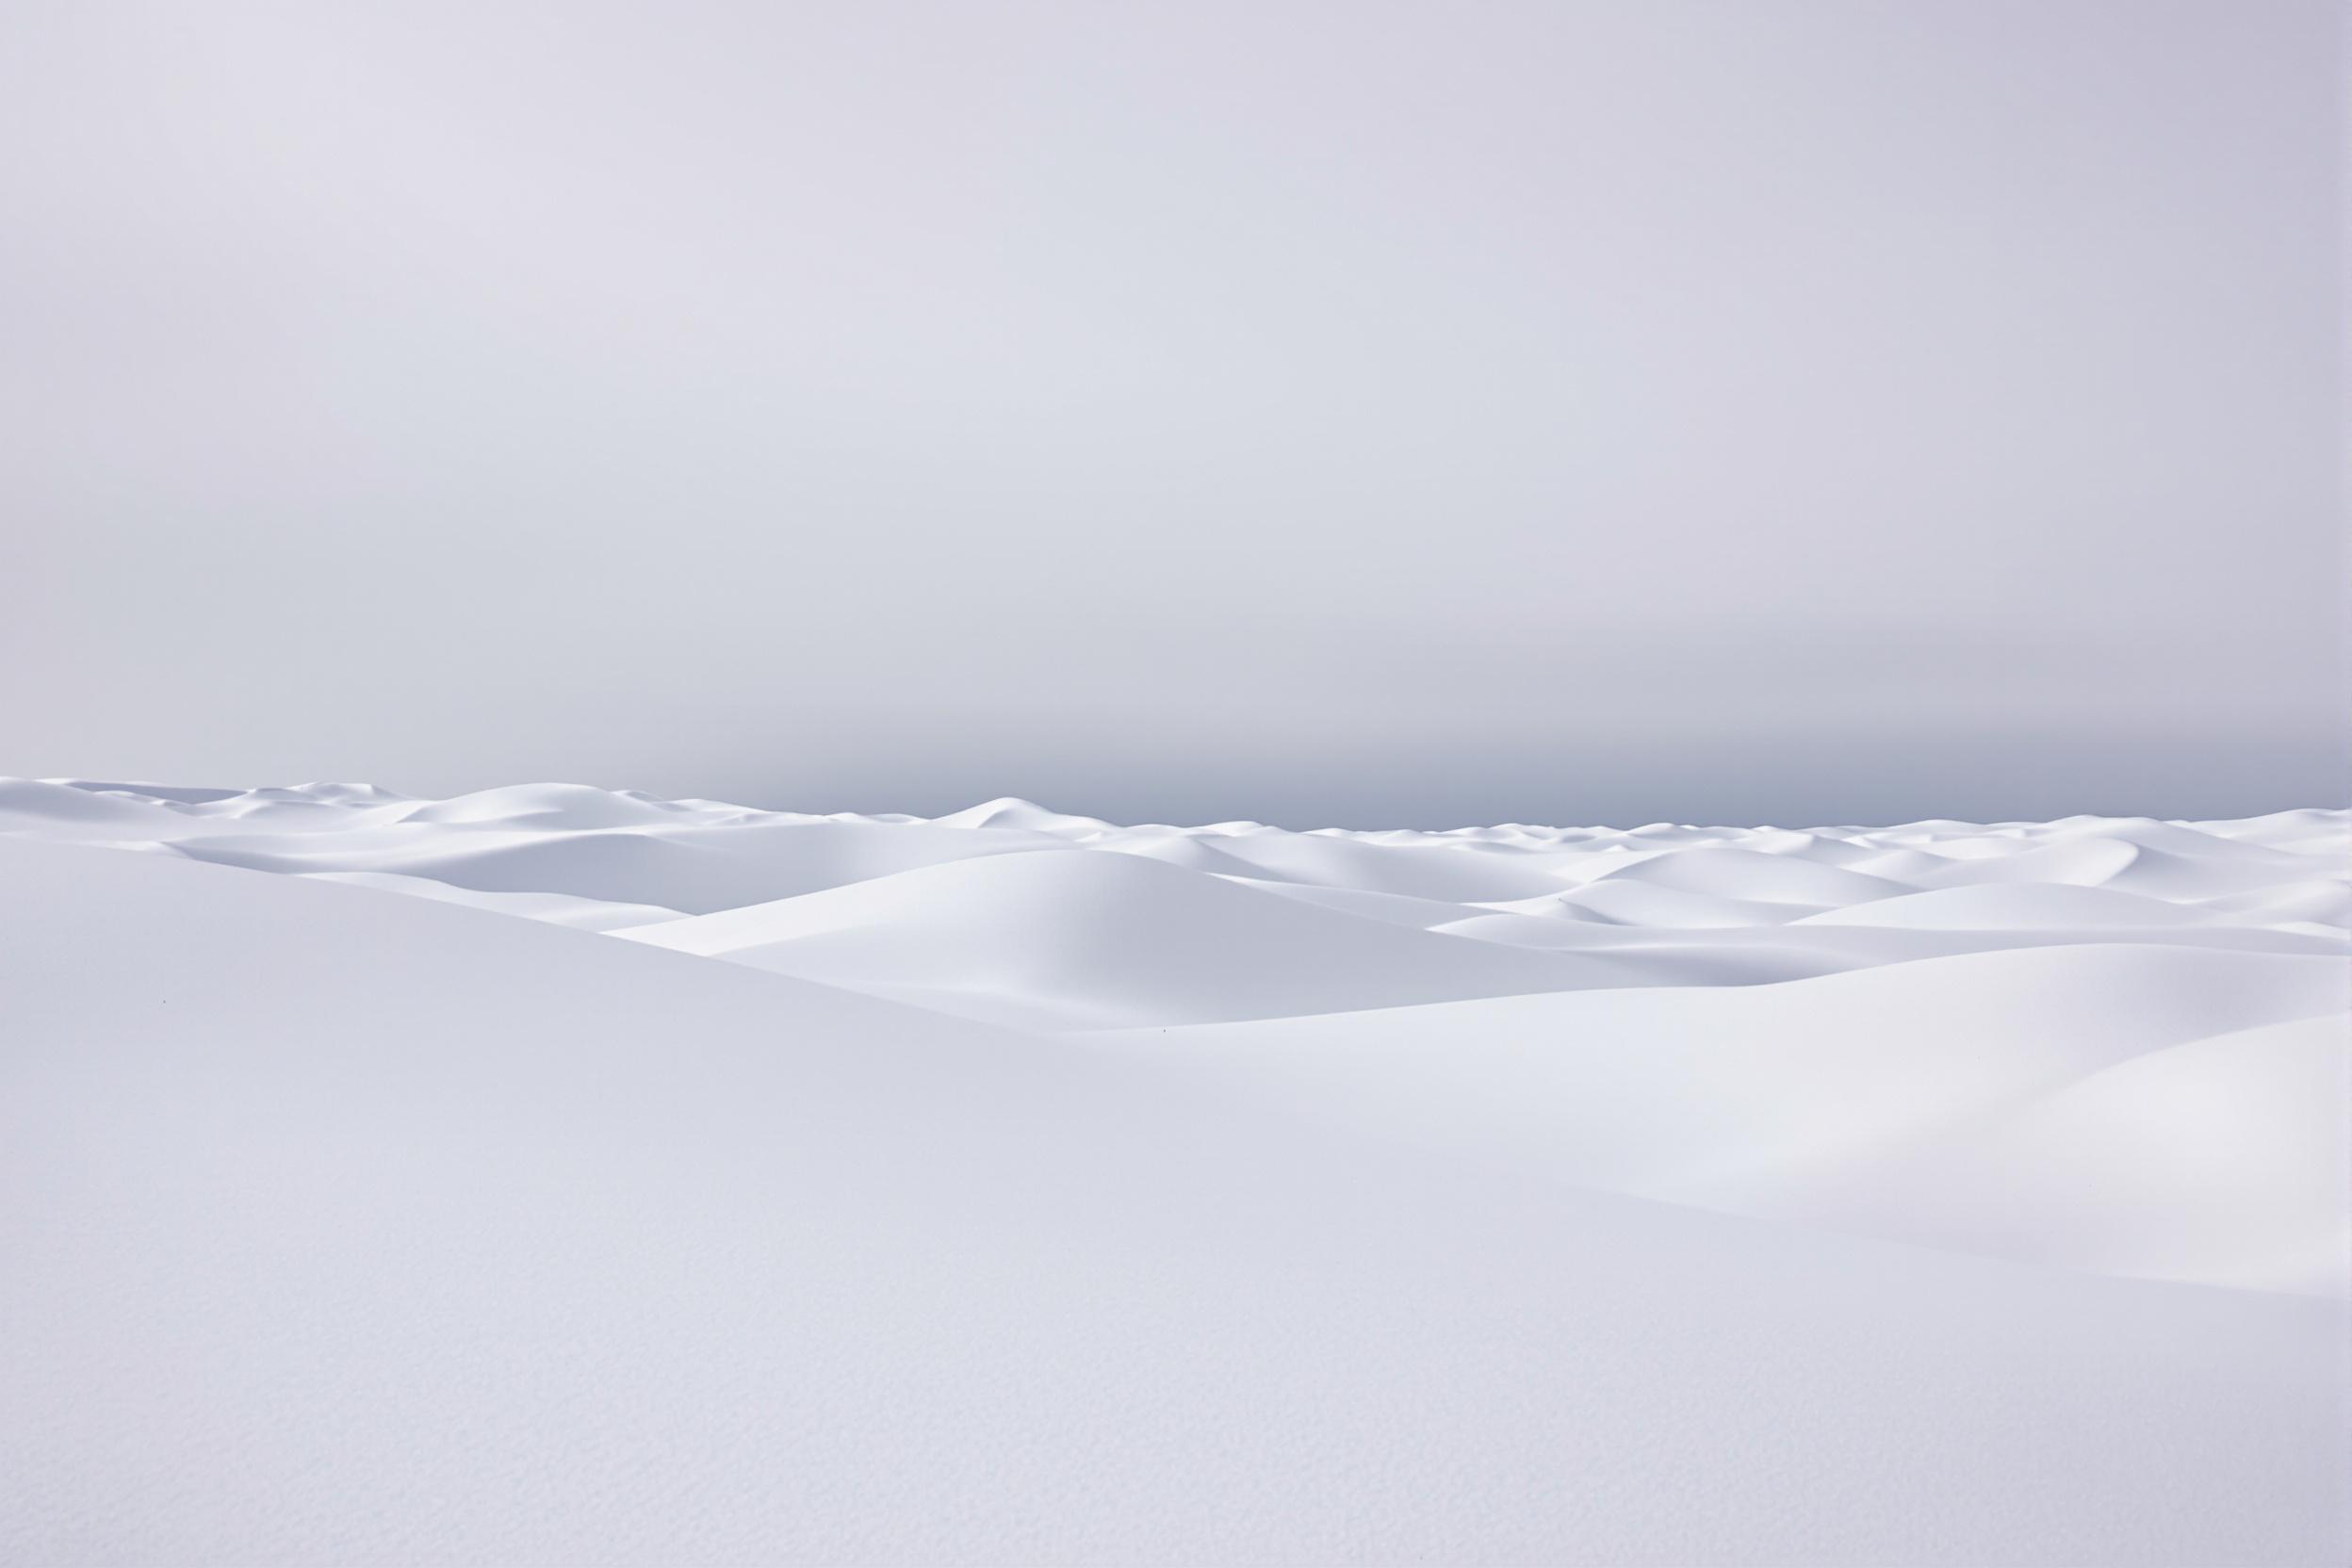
[{"x": 1030, "y": 1188}]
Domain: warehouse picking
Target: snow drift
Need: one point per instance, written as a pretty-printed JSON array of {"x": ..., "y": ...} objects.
[{"x": 1025, "y": 1187}]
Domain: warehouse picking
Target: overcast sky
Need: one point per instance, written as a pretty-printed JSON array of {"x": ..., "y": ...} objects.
[{"x": 1376, "y": 414}]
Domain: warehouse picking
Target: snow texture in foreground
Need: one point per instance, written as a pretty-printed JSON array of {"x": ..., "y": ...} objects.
[{"x": 1401, "y": 1198}]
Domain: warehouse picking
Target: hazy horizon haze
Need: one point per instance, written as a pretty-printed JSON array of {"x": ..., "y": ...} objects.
[{"x": 1806, "y": 411}]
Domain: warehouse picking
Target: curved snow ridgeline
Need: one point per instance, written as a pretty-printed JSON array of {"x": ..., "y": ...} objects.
[
  {"x": 1941, "y": 1193},
  {"x": 1973, "y": 997},
  {"x": 1016, "y": 914}
]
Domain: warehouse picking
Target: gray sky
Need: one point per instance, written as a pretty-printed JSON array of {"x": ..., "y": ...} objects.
[{"x": 1337, "y": 412}]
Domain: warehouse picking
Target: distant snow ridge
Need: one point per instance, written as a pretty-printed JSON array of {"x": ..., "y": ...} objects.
[{"x": 1012, "y": 913}]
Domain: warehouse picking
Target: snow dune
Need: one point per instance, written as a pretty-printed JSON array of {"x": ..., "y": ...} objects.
[
  {"x": 1013, "y": 914},
  {"x": 2116, "y": 1108},
  {"x": 1072, "y": 938},
  {"x": 354, "y": 1229},
  {"x": 1019, "y": 1187}
]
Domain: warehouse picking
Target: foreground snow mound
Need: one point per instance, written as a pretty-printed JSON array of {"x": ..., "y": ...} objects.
[
  {"x": 353, "y": 1228},
  {"x": 2113, "y": 1108},
  {"x": 1013, "y": 914}
]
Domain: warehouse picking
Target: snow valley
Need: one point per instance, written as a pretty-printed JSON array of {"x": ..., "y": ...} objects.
[{"x": 1021, "y": 1186}]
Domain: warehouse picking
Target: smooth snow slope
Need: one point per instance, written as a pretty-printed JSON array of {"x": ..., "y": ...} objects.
[
  {"x": 2123, "y": 1109},
  {"x": 353, "y": 1228},
  {"x": 2103, "y": 1044},
  {"x": 2112, "y": 1045}
]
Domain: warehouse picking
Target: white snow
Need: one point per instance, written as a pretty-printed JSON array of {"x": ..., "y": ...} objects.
[{"x": 1949, "y": 1193}]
